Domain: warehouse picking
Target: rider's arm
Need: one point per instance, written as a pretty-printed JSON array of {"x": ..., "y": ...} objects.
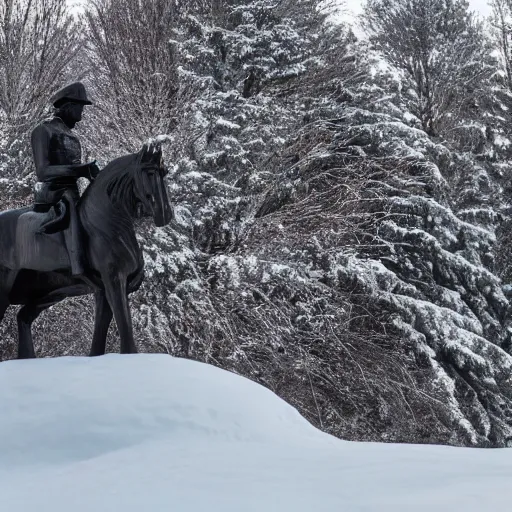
[{"x": 40, "y": 146}]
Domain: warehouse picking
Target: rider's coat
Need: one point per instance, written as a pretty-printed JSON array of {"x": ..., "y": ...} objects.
[{"x": 57, "y": 156}]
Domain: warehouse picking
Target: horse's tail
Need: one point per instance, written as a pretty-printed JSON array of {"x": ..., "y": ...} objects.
[{"x": 5, "y": 284}]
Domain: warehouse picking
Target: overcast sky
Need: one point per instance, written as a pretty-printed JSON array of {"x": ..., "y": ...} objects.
[{"x": 481, "y": 6}]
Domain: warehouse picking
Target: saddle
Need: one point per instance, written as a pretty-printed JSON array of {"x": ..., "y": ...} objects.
[{"x": 52, "y": 218}]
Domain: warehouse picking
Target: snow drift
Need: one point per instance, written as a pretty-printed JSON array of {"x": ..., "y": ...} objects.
[{"x": 148, "y": 432}]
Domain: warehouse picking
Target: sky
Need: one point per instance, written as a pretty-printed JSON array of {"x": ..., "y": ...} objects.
[{"x": 481, "y": 6}]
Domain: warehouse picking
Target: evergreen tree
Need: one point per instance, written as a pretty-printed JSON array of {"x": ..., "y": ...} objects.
[
  {"x": 444, "y": 199},
  {"x": 439, "y": 46},
  {"x": 501, "y": 21}
]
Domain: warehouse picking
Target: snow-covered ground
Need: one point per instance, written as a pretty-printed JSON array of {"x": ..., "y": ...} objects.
[{"x": 153, "y": 433}]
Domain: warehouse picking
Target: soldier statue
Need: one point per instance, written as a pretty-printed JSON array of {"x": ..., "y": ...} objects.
[
  {"x": 58, "y": 159},
  {"x": 68, "y": 245}
]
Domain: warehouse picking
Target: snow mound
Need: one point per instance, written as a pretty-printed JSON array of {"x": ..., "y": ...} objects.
[
  {"x": 74, "y": 409},
  {"x": 156, "y": 433}
]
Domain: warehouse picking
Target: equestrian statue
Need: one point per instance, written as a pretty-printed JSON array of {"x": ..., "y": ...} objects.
[{"x": 68, "y": 245}]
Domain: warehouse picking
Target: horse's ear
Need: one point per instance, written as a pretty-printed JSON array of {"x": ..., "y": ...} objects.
[
  {"x": 143, "y": 153},
  {"x": 151, "y": 153},
  {"x": 157, "y": 152}
]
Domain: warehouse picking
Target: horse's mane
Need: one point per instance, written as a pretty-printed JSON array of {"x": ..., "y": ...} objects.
[
  {"x": 110, "y": 195},
  {"x": 116, "y": 171}
]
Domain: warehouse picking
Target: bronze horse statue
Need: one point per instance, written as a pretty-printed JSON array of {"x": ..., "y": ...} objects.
[{"x": 35, "y": 266}]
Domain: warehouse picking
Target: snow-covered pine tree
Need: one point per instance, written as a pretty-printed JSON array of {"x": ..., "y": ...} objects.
[
  {"x": 444, "y": 199},
  {"x": 500, "y": 130}
]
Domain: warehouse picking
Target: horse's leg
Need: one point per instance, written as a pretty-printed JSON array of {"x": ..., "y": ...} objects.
[
  {"x": 117, "y": 297},
  {"x": 7, "y": 278},
  {"x": 4, "y": 304},
  {"x": 28, "y": 313},
  {"x": 103, "y": 317}
]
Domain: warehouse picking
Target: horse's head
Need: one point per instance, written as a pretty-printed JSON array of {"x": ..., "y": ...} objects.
[{"x": 149, "y": 187}]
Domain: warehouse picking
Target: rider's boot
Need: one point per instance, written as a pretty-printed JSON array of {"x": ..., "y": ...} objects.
[
  {"x": 73, "y": 241},
  {"x": 74, "y": 251}
]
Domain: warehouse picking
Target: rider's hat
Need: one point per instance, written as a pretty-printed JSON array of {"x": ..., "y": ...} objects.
[{"x": 73, "y": 92}]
